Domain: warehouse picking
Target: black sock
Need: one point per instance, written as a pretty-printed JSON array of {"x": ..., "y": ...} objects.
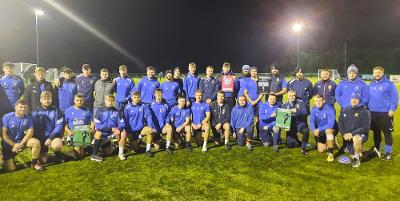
[
  {"x": 330, "y": 150},
  {"x": 96, "y": 146}
]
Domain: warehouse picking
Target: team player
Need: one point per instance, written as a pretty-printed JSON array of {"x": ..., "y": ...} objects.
[
  {"x": 85, "y": 85},
  {"x": 298, "y": 122},
  {"x": 66, "y": 90},
  {"x": 242, "y": 122},
  {"x": 354, "y": 125},
  {"x": 179, "y": 119},
  {"x": 191, "y": 84},
  {"x": 302, "y": 86},
  {"x": 147, "y": 85},
  {"x": 220, "y": 117},
  {"x": 12, "y": 84},
  {"x": 78, "y": 115},
  {"x": 324, "y": 126},
  {"x": 49, "y": 127},
  {"x": 36, "y": 87},
  {"x": 170, "y": 89},
  {"x": 160, "y": 110},
  {"x": 382, "y": 105},
  {"x": 177, "y": 78},
  {"x": 138, "y": 122},
  {"x": 201, "y": 116},
  {"x": 209, "y": 86},
  {"x": 102, "y": 88},
  {"x": 268, "y": 112},
  {"x": 278, "y": 85},
  {"x": 325, "y": 88},
  {"x": 18, "y": 135},
  {"x": 124, "y": 87},
  {"x": 229, "y": 96},
  {"x": 108, "y": 124}
]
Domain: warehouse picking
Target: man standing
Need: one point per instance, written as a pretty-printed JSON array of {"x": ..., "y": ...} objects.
[
  {"x": 170, "y": 89},
  {"x": 221, "y": 115},
  {"x": 229, "y": 95},
  {"x": 102, "y": 88},
  {"x": 36, "y": 87},
  {"x": 12, "y": 84},
  {"x": 85, "y": 85},
  {"x": 191, "y": 84},
  {"x": 66, "y": 90},
  {"x": 177, "y": 78},
  {"x": 124, "y": 87},
  {"x": 147, "y": 85},
  {"x": 18, "y": 135},
  {"x": 354, "y": 125},
  {"x": 242, "y": 117},
  {"x": 209, "y": 86},
  {"x": 201, "y": 115},
  {"x": 278, "y": 84},
  {"x": 382, "y": 105},
  {"x": 302, "y": 86},
  {"x": 325, "y": 88}
]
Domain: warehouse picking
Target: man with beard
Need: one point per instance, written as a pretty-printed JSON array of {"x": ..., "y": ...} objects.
[
  {"x": 302, "y": 86},
  {"x": 278, "y": 84},
  {"x": 170, "y": 89}
]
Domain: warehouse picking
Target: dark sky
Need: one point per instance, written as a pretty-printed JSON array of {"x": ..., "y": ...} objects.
[{"x": 166, "y": 33}]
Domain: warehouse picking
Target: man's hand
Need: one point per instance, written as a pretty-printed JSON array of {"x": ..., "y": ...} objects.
[
  {"x": 16, "y": 147},
  {"x": 294, "y": 110},
  {"x": 57, "y": 82},
  {"x": 218, "y": 126},
  {"x": 391, "y": 113},
  {"x": 265, "y": 128},
  {"x": 116, "y": 132},
  {"x": 179, "y": 129},
  {"x": 70, "y": 133},
  {"x": 316, "y": 132},
  {"x": 348, "y": 136},
  {"x": 273, "y": 114},
  {"x": 187, "y": 103},
  {"x": 208, "y": 101},
  {"x": 48, "y": 142},
  {"x": 241, "y": 131}
]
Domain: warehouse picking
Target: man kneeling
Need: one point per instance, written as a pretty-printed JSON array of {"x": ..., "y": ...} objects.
[
  {"x": 179, "y": 119},
  {"x": 242, "y": 119}
]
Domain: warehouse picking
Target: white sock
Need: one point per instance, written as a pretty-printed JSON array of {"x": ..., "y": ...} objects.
[
  {"x": 168, "y": 143},
  {"x": 226, "y": 141},
  {"x": 205, "y": 144},
  {"x": 121, "y": 150},
  {"x": 148, "y": 146},
  {"x": 357, "y": 155}
]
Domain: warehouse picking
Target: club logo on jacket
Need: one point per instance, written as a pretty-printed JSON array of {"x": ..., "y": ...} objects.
[{"x": 356, "y": 115}]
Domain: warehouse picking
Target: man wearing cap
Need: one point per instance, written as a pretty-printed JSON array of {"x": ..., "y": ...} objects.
[
  {"x": 12, "y": 84},
  {"x": 170, "y": 89},
  {"x": 353, "y": 84},
  {"x": 209, "y": 86},
  {"x": 354, "y": 125},
  {"x": 302, "y": 86},
  {"x": 147, "y": 85},
  {"x": 382, "y": 105},
  {"x": 85, "y": 85},
  {"x": 278, "y": 84},
  {"x": 325, "y": 88}
]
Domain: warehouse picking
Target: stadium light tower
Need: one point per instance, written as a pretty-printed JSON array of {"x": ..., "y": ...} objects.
[
  {"x": 37, "y": 14},
  {"x": 297, "y": 27}
]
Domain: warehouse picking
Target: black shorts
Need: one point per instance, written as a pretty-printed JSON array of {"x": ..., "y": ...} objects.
[
  {"x": 381, "y": 122},
  {"x": 322, "y": 136},
  {"x": 7, "y": 152}
]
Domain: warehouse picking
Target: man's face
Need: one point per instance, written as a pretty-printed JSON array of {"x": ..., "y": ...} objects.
[
  {"x": 354, "y": 102},
  {"x": 272, "y": 100},
  {"x": 177, "y": 72},
  {"x": 198, "y": 96},
  {"x": 378, "y": 74},
  {"x": 135, "y": 99},
  {"x": 78, "y": 102},
  {"x": 192, "y": 69},
  {"x": 299, "y": 75},
  {"x": 20, "y": 109},
  {"x": 246, "y": 73},
  {"x": 351, "y": 75},
  {"x": 67, "y": 76},
  {"x": 319, "y": 102},
  {"x": 274, "y": 71},
  {"x": 46, "y": 101},
  {"x": 86, "y": 72},
  {"x": 209, "y": 72},
  {"x": 151, "y": 73},
  {"x": 242, "y": 101},
  {"x": 325, "y": 75},
  {"x": 39, "y": 75},
  {"x": 123, "y": 72},
  {"x": 158, "y": 95},
  {"x": 253, "y": 73},
  {"x": 104, "y": 75},
  {"x": 168, "y": 76},
  {"x": 220, "y": 98},
  {"x": 181, "y": 102},
  {"x": 110, "y": 102},
  {"x": 292, "y": 97},
  {"x": 226, "y": 69},
  {"x": 8, "y": 70}
]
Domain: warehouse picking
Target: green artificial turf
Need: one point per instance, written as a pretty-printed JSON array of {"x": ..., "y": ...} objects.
[{"x": 216, "y": 175}]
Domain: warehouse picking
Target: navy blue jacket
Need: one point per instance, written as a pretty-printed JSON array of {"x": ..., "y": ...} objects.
[
  {"x": 49, "y": 123},
  {"x": 383, "y": 96},
  {"x": 277, "y": 84},
  {"x": 242, "y": 117},
  {"x": 355, "y": 120},
  {"x": 301, "y": 110},
  {"x": 326, "y": 89},
  {"x": 303, "y": 89},
  {"x": 209, "y": 87},
  {"x": 86, "y": 88}
]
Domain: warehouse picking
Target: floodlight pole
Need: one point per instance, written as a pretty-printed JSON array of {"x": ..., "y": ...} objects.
[
  {"x": 37, "y": 39},
  {"x": 298, "y": 48}
]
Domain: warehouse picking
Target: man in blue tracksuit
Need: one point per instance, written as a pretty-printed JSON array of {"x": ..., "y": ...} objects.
[
  {"x": 170, "y": 89},
  {"x": 179, "y": 119},
  {"x": 325, "y": 88},
  {"x": 229, "y": 95},
  {"x": 201, "y": 115},
  {"x": 298, "y": 122},
  {"x": 49, "y": 127},
  {"x": 383, "y": 102},
  {"x": 242, "y": 118},
  {"x": 354, "y": 124},
  {"x": 12, "y": 84},
  {"x": 353, "y": 84},
  {"x": 324, "y": 126},
  {"x": 278, "y": 85},
  {"x": 138, "y": 122},
  {"x": 302, "y": 86},
  {"x": 191, "y": 84},
  {"x": 67, "y": 89},
  {"x": 159, "y": 111},
  {"x": 209, "y": 86},
  {"x": 124, "y": 87},
  {"x": 147, "y": 85},
  {"x": 85, "y": 85},
  {"x": 267, "y": 120},
  {"x": 108, "y": 123}
]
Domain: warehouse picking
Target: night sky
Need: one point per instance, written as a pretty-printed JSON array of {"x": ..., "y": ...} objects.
[{"x": 167, "y": 33}]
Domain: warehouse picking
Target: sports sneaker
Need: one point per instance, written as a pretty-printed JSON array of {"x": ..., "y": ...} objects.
[
  {"x": 122, "y": 157},
  {"x": 387, "y": 157},
  {"x": 249, "y": 147},
  {"x": 228, "y": 146},
  {"x": 204, "y": 149},
  {"x": 330, "y": 158},
  {"x": 275, "y": 149},
  {"x": 355, "y": 162},
  {"x": 59, "y": 157},
  {"x": 149, "y": 153},
  {"x": 266, "y": 144},
  {"x": 37, "y": 166},
  {"x": 304, "y": 152},
  {"x": 377, "y": 152},
  {"x": 189, "y": 147},
  {"x": 169, "y": 150},
  {"x": 96, "y": 158}
]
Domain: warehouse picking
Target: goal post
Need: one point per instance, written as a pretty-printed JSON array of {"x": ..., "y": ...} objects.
[{"x": 333, "y": 74}]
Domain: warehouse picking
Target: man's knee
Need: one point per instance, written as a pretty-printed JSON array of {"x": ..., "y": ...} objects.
[
  {"x": 357, "y": 139},
  {"x": 321, "y": 147},
  {"x": 226, "y": 126},
  {"x": 97, "y": 135},
  {"x": 56, "y": 144},
  {"x": 33, "y": 143},
  {"x": 276, "y": 129}
]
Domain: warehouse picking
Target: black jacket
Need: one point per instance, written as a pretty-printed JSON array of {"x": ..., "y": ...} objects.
[
  {"x": 32, "y": 93},
  {"x": 220, "y": 114},
  {"x": 355, "y": 120}
]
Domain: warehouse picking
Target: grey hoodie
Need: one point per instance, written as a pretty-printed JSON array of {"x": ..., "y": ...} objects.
[{"x": 102, "y": 88}]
